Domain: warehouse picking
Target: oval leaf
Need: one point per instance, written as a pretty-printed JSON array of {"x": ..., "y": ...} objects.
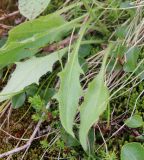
[
  {"x": 18, "y": 100},
  {"x": 132, "y": 151},
  {"x": 32, "y": 8},
  {"x": 134, "y": 122}
]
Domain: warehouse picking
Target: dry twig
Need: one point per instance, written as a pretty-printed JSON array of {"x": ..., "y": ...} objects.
[
  {"x": 9, "y": 15},
  {"x": 27, "y": 145}
]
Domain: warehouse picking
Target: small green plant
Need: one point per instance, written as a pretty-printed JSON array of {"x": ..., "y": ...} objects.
[
  {"x": 90, "y": 72},
  {"x": 37, "y": 103},
  {"x": 44, "y": 144}
]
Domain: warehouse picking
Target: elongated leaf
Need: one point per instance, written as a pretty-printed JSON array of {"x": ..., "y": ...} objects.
[
  {"x": 95, "y": 102},
  {"x": 29, "y": 72},
  {"x": 70, "y": 88},
  {"x": 132, "y": 151},
  {"x": 69, "y": 92},
  {"x": 26, "y": 39},
  {"x": 32, "y": 8}
]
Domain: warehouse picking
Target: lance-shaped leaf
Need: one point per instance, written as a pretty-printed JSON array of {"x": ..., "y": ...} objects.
[
  {"x": 70, "y": 89},
  {"x": 29, "y": 72},
  {"x": 95, "y": 102},
  {"x": 26, "y": 39},
  {"x": 32, "y": 8}
]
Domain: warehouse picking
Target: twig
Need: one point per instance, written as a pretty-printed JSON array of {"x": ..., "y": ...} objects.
[
  {"x": 5, "y": 26},
  {"x": 62, "y": 44},
  {"x": 26, "y": 145},
  {"x": 6, "y": 106},
  {"x": 9, "y": 15},
  {"x": 59, "y": 45}
]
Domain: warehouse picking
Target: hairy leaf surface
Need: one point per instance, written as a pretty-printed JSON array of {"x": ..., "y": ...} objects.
[
  {"x": 70, "y": 88},
  {"x": 29, "y": 72},
  {"x": 69, "y": 93},
  {"x": 95, "y": 103},
  {"x": 26, "y": 39},
  {"x": 32, "y": 8}
]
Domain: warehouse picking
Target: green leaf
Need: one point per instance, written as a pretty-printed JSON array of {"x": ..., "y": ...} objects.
[
  {"x": 69, "y": 92},
  {"x": 132, "y": 151},
  {"x": 37, "y": 103},
  {"x": 70, "y": 89},
  {"x": 121, "y": 32},
  {"x": 131, "y": 59},
  {"x": 68, "y": 139},
  {"x": 26, "y": 39},
  {"x": 119, "y": 50},
  {"x": 48, "y": 94},
  {"x": 32, "y": 8},
  {"x": 44, "y": 144},
  {"x": 2, "y": 41},
  {"x": 140, "y": 71},
  {"x": 113, "y": 65},
  {"x": 85, "y": 50},
  {"x": 29, "y": 72},
  {"x": 18, "y": 100},
  {"x": 141, "y": 137},
  {"x": 134, "y": 122},
  {"x": 126, "y": 4},
  {"x": 31, "y": 90},
  {"x": 1, "y": 74},
  {"x": 95, "y": 103},
  {"x": 91, "y": 138},
  {"x": 83, "y": 63}
]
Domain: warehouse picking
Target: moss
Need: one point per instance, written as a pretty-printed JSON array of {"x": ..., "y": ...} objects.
[{"x": 119, "y": 105}]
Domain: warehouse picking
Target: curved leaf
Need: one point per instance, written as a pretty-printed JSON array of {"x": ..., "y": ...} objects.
[
  {"x": 69, "y": 92},
  {"x": 26, "y": 39},
  {"x": 70, "y": 89},
  {"x": 132, "y": 151},
  {"x": 95, "y": 103},
  {"x": 131, "y": 59},
  {"x": 18, "y": 100},
  {"x": 134, "y": 122}
]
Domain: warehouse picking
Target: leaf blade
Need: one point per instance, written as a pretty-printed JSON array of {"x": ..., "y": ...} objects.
[
  {"x": 95, "y": 103},
  {"x": 134, "y": 121},
  {"x": 69, "y": 79},
  {"x": 29, "y": 72},
  {"x": 132, "y": 151},
  {"x": 32, "y": 8},
  {"x": 23, "y": 42}
]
